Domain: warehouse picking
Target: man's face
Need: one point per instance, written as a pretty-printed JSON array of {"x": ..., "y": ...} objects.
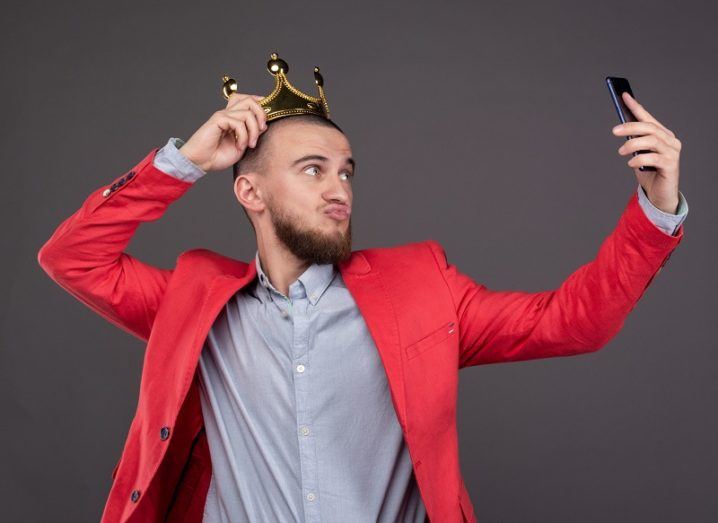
[{"x": 308, "y": 191}]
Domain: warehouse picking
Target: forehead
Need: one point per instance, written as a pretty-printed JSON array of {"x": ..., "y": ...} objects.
[{"x": 293, "y": 138}]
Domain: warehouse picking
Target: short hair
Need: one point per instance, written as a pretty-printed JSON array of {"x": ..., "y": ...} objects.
[{"x": 254, "y": 159}]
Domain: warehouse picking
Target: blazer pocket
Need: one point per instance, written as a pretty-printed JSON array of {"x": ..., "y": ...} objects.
[{"x": 430, "y": 340}]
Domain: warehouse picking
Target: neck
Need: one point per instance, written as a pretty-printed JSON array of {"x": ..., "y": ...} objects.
[{"x": 279, "y": 265}]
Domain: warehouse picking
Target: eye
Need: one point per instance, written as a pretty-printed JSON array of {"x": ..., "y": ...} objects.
[{"x": 348, "y": 174}]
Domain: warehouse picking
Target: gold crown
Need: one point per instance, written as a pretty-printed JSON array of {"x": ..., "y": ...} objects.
[{"x": 285, "y": 99}]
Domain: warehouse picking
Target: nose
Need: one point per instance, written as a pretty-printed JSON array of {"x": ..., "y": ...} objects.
[{"x": 337, "y": 191}]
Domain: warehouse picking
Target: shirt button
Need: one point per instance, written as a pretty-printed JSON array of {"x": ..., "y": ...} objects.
[
  {"x": 284, "y": 313},
  {"x": 300, "y": 368},
  {"x": 305, "y": 430},
  {"x": 164, "y": 433},
  {"x": 313, "y": 296},
  {"x": 311, "y": 496},
  {"x": 135, "y": 496}
]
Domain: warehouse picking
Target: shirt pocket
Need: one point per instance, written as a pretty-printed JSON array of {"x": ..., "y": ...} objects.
[{"x": 432, "y": 339}]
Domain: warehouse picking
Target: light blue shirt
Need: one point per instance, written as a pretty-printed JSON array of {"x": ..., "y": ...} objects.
[{"x": 296, "y": 403}]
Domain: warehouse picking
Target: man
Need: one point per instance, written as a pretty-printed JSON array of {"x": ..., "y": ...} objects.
[{"x": 317, "y": 383}]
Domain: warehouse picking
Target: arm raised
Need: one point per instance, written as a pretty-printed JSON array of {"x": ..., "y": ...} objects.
[
  {"x": 85, "y": 255},
  {"x": 582, "y": 315}
]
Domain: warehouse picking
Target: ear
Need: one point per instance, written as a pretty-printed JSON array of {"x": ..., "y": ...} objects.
[{"x": 248, "y": 192}]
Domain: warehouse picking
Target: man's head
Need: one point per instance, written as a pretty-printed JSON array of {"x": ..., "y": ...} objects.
[{"x": 300, "y": 169}]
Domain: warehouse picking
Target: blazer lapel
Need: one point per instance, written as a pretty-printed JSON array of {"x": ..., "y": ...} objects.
[
  {"x": 220, "y": 289},
  {"x": 366, "y": 285}
]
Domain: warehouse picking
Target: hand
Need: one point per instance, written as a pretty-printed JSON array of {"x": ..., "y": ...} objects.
[
  {"x": 222, "y": 140},
  {"x": 661, "y": 186}
]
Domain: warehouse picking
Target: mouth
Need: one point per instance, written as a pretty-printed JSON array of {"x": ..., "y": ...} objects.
[{"x": 338, "y": 212}]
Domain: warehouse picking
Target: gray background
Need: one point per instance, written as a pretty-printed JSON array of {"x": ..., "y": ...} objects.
[{"x": 483, "y": 125}]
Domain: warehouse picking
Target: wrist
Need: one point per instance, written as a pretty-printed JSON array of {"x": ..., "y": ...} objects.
[
  {"x": 669, "y": 207},
  {"x": 666, "y": 205},
  {"x": 187, "y": 153}
]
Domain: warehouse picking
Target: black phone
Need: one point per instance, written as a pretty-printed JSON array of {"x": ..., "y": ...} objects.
[{"x": 617, "y": 86}]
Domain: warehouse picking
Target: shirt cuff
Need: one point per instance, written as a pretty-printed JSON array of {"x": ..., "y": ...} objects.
[
  {"x": 667, "y": 222},
  {"x": 169, "y": 159}
]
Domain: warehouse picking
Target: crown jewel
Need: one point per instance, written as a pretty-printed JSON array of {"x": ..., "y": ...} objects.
[{"x": 285, "y": 99}]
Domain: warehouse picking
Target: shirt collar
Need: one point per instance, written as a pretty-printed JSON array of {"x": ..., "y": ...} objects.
[{"x": 311, "y": 283}]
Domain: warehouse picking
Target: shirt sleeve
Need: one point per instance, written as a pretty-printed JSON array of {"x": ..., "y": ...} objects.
[
  {"x": 666, "y": 222},
  {"x": 170, "y": 160}
]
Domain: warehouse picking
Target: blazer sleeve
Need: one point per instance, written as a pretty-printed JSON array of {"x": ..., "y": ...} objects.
[
  {"x": 582, "y": 315},
  {"x": 85, "y": 255}
]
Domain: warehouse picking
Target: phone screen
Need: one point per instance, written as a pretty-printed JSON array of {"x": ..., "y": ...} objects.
[{"x": 618, "y": 86}]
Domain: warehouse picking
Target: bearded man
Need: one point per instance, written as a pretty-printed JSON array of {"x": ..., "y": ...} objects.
[{"x": 317, "y": 383}]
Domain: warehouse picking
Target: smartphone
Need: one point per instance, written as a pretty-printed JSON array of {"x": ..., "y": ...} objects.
[{"x": 617, "y": 86}]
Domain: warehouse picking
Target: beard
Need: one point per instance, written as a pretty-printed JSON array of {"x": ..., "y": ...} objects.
[{"x": 309, "y": 245}]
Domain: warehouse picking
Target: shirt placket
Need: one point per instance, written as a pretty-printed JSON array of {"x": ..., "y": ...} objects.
[{"x": 305, "y": 428}]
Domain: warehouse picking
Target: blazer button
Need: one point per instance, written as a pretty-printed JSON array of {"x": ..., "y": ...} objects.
[
  {"x": 120, "y": 182},
  {"x": 106, "y": 193},
  {"x": 130, "y": 175},
  {"x": 164, "y": 433},
  {"x": 135, "y": 496}
]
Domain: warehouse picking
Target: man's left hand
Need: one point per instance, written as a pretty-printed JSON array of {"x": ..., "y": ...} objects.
[{"x": 661, "y": 185}]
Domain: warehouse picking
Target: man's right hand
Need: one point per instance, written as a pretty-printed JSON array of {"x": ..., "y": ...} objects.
[{"x": 222, "y": 140}]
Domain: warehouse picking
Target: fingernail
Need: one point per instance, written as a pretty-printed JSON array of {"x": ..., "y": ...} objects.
[{"x": 617, "y": 128}]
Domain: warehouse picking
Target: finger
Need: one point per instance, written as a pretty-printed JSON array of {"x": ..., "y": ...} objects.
[
  {"x": 259, "y": 113},
  {"x": 640, "y": 128},
  {"x": 253, "y": 105},
  {"x": 236, "y": 98},
  {"x": 637, "y": 109},
  {"x": 642, "y": 143},
  {"x": 641, "y": 113},
  {"x": 642, "y": 160},
  {"x": 229, "y": 124},
  {"x": 250, "y": 119}
]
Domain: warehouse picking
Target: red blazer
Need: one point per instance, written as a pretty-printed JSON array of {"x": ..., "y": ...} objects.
[{"x": 428, "y": 321}]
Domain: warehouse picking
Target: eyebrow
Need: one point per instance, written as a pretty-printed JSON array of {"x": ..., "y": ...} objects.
[{"x": 321, "y": 158}]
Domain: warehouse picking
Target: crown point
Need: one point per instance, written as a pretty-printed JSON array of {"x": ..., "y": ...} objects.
[
  {"x": 229, "y": 86},
  {"x": 276, "y": 65},
  {"x": 285, "y": 99}
]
